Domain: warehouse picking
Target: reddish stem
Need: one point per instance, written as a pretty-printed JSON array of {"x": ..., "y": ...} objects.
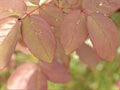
[{"x": 27, "y": 14}]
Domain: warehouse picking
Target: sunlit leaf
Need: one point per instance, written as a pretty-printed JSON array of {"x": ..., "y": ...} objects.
[
  {"x": 53, "y": 15},
  {"x": 73, "y": 31},
  {"x": 9, "y": 29},
  {"x": 102, "y": 6},
  {"x": 88, "y": 55},
  {"x": 12, "y": 7},
  {"x": 39, "y": 38},
  {"x": 44, "y": 2},
  {"x": 103, "y": 34},
  {"x": 27, "y": 77}
]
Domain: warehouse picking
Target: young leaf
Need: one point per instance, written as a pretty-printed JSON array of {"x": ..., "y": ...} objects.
[
  {"x": 103, "y": 34},
  {"x": 27, "y": 77},
  {"x": 12, "y": 7},
  {"x": 102, "y": 6},
  {"x": 73, "y": 31},
  {"x": 88, "y": 55},
  {"x": 9, "y": 29},
  {"x": 39, "y": 38},
  {"x": 53, "y": 15}
]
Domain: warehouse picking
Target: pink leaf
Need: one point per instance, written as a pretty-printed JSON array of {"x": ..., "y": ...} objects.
[
  {"x": 9, "y": 29},
  {"x": 73, "y": 31},
  {"x": 60, "y": 54},
  {"x": 102, "y": 6},
  {"x": 55, "y": 72},
  {"x": 58, "y": 69},
  {"x": 88, "y": 55},
  {"x": 22, "y": 48},
  {"x": 75, "y": 3},
  {"x": 27, "y": 77},
  {"x": 65, "y": 4},
  {"x": 12, "y": 7},
  {"x": 103, "y": 34},
  {"x": 39, "y": 38},
  {"x": 53, "y": 15},
  {"x": 61, "y": 57}
]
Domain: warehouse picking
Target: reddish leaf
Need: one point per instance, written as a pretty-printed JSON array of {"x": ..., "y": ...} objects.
[
  {"x": 73, "y": 31},
  {"x": 68, "y": 3},
  {"x": 27, "y": 77},
  {"x": 58, "y": 69},
  {"x": 9, "y": 29},
  {"x": 60, "y": 54},
  {"x": 39, "y": 38},
  {"x": 9, "y": 65},
  {"x": 118, "y": 84},
  {"x": 12, "y": 7},
  {"x": 61, "y": 57},
  {"x": 55, "y": 72},
  {"x": 88, "y": 55},
  {"x": 75, "y": 3},
  {"x": 53, "y": 15},
  {"x": 22, "y": 48},
  {"x": 103, "y": 34},
  {"x": 102, "y": 6},
  {"x": 56, "y": 32}
]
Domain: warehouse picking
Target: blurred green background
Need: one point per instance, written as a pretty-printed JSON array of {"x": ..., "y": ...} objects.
[{"x": 103, "y": 77}]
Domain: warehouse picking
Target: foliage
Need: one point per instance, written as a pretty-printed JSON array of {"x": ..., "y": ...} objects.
[{"x": 49, "y": 32}]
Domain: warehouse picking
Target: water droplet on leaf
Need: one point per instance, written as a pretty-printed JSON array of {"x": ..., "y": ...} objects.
[
  {"x": 10, "y": 10},
  {"x": 78, "y": 22},
  {"x": 97, "y": 11},
  {"x": 101, "y": 4},
  {"x": 56, "y": 20}
]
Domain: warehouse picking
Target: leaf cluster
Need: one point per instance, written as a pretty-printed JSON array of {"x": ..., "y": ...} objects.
[{"x": 51, "y": 30}]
